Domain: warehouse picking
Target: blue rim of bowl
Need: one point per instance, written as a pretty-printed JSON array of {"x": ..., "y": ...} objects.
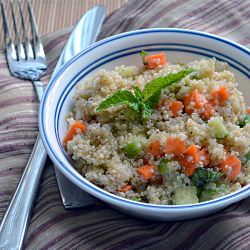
[{"x": 80, "y": 179}]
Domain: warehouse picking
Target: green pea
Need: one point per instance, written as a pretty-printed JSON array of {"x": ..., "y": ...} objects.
[
  {"x": 132, "y": 149},
  {"x": 163, "y": 168}
]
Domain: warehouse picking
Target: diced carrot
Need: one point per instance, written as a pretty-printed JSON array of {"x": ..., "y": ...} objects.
[
  {"x": 208, "y": 111},
  {"x": 194, "y": 100},
  {"x": 146, "y": 171},
  {"x": 189, "y": 160},
  {"x": 174, "y": 145},
  {"x": 187, "y": 102},
  {"x": 231, "y": 166},
  {"x": 198, "y": 99},
  {"x": 152, "y": 61},
  {"x": 248, "y": 110},
  {"x": 192, "y": 155},
  {"x": 187, "y": 167},
  {"x": 176, "y": 108},
  {"x": 77, "y": 127},
  {"x": 126, "y": 188},
  {"x": 154, "y": 148},
  {"x": 220, "y": 95},
  {"x": 189, "y": 170},
  {"x": 204, "y": 157}
]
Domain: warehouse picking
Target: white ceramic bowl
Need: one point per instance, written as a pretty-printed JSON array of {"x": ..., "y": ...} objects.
[{"x": 180, "y": 45}]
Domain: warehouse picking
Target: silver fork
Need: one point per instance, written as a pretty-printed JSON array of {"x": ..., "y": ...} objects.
[{"x": 26, "y": 60}]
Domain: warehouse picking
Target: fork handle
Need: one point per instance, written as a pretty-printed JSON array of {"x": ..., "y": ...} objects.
[{"x": 16, "y": 218}]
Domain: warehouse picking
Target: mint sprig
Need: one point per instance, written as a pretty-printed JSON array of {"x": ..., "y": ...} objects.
[
  {"x": 143, "y": 101},
  {"x": 118, "y": 98}
]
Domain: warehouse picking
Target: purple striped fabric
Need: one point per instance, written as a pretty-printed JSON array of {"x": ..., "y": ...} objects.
[{"x": 100, "y": 227}]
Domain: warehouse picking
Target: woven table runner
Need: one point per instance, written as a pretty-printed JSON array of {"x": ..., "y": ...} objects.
[{"x": 99, "y": 226}]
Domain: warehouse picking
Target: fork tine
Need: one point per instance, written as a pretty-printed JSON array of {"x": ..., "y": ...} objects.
[
  {"x": 19, "y": 46},
  {"x": 11, "y": 51},
  {"x": 22, "y": 20},
  {"x": 27, "y": 45},
  {"x": 37, "y": 44},
  {"x": 6, "y": 28}
]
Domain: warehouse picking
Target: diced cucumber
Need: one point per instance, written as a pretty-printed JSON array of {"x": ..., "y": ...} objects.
[
  {"x": 210, "y": 194},
  {"x": 186, "y": 195},
  {"x": 207, "y": 195},
  {"x": 126, "y": 72},
  {"x": 247, "y": 157},
  {"x": 136, "y": 199},
  {"x": 163, "y": 168},
  {"x": 132, "y": 149},
  {"x": 245, "y": 121},
  {"x": 217, "y": 128}
]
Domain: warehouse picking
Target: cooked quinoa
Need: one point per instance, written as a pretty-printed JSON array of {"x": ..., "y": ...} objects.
[{"x": 117, "y": 142}]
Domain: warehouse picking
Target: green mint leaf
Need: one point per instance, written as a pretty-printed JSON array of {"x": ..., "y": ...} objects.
[
  {"x": 160, "y": 83},
  {"x": 139, "y": 96},
  {"x": 146, "y": 110},
  {"x": 150, "y": 103},
  {"x": 153, "y": 100},
  {"x": 138, "y": 93},
  {"x": 118, "y": 98}
]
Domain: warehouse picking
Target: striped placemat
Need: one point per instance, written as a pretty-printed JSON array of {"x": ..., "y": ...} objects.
[{"x": 101, "y": 227}]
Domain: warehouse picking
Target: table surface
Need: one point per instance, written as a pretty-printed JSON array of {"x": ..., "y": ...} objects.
[
  {"x": 52, "y": 15},
  {"x": 101, "y": 227}
]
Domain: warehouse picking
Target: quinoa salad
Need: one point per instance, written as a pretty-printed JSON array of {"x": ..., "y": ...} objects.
[{"x": 162, "y": 133}]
